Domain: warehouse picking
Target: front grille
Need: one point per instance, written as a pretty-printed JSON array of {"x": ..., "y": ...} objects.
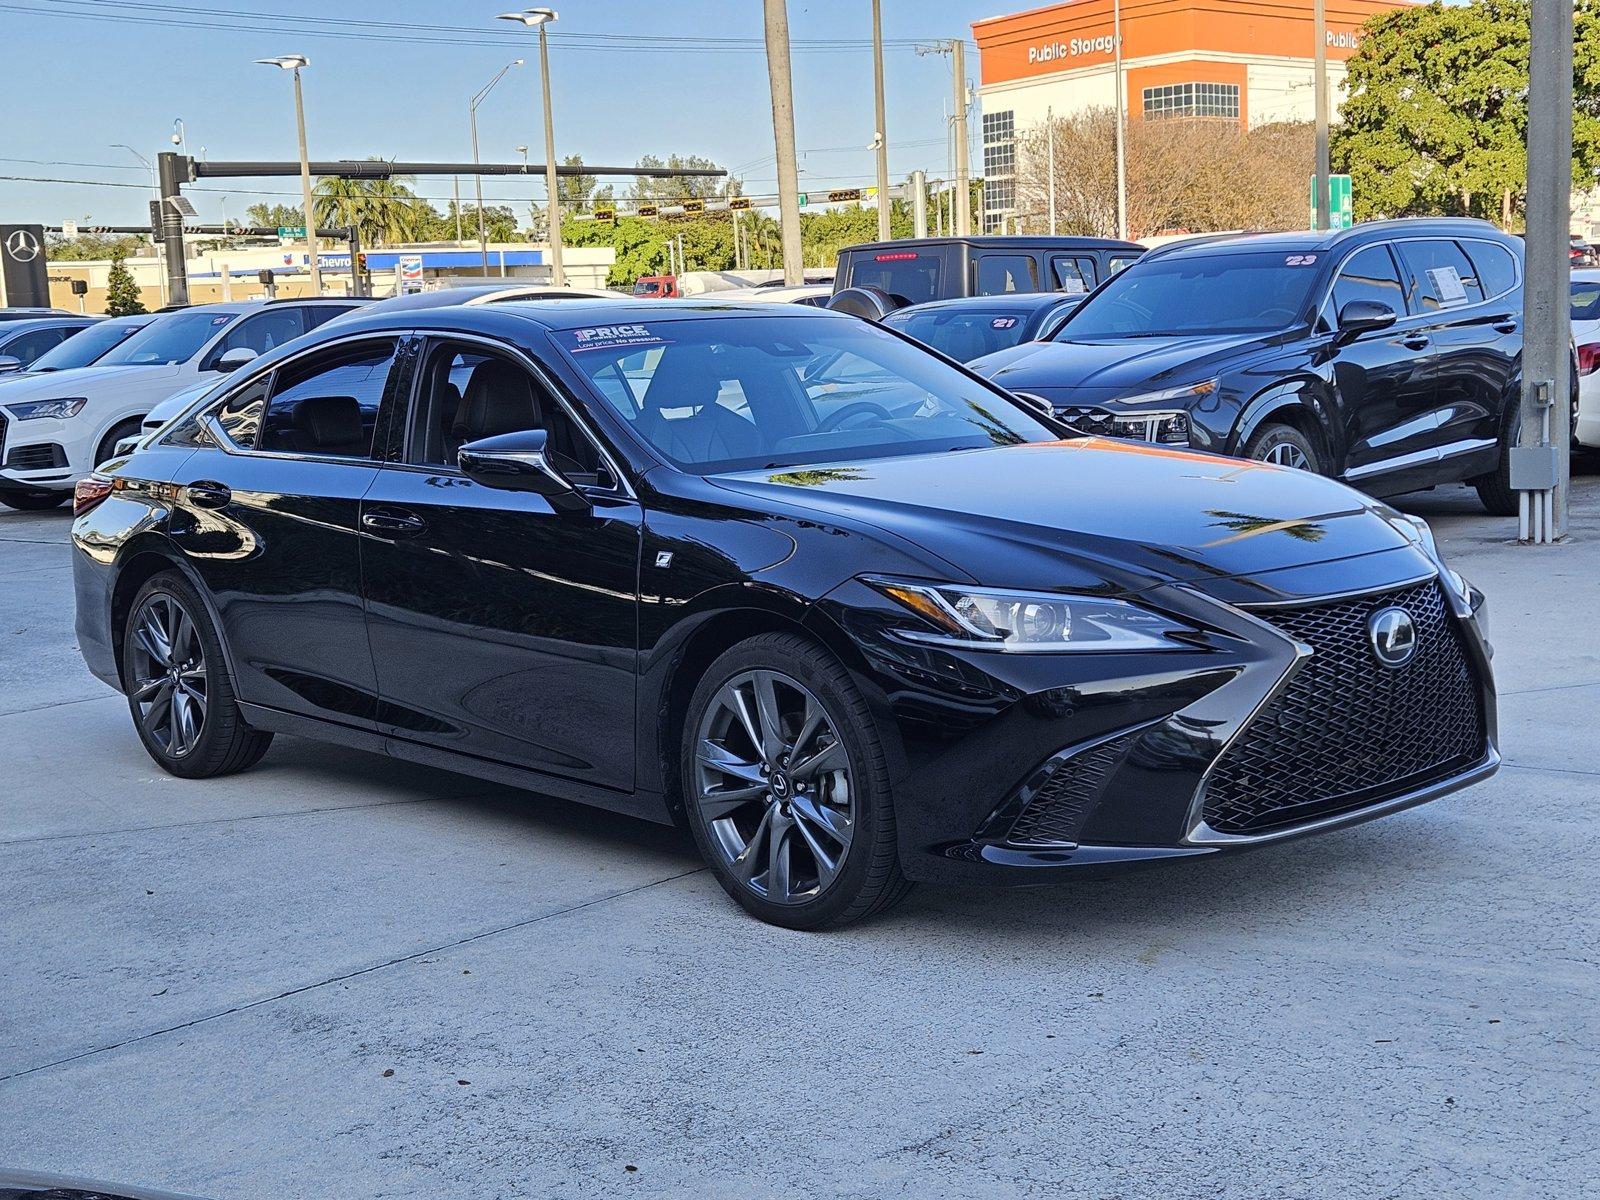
[
  {"x": 1347, "y": 731},
  {"x": 2, "y": 437},
  {"x": 1056, "y": 810}
]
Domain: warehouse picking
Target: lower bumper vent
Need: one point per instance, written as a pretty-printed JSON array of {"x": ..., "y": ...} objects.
[{"x": 1055, "y": 812}]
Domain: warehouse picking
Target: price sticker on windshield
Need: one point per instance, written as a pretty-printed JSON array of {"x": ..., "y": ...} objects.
[
  {"x": 1300, "y": 260},
  {"x": 1447, "y": 286},
  {"x": 1002, "y": 322}
]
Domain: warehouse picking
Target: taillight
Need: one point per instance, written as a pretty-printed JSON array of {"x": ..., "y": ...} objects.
[
  {"x": 88, "y": 493},
  {"x": 1589, "y": 358},
  {"x": 897, "y": 256}
]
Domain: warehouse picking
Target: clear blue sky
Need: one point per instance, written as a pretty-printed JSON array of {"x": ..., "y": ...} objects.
[{"x": 103, "y": 72}]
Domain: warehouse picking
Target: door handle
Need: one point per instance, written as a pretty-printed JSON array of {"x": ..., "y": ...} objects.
[
  {"x": 1416, "y": 341},
  {"x": 1505, "y": 327},
  {"x": 207, "y": 494},
  {"x": 394, "y": 522}
]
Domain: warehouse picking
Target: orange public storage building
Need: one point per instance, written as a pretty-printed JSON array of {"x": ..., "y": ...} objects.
[{"x": 1248, "y": 61}]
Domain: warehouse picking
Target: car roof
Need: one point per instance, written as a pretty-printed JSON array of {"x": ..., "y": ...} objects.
[
  {"x": 1002, "y": 242},
  {"x": 28, "y": 323},
  {"x": 1313, "y": 241},
  {"x": 1023, "y": 300}
]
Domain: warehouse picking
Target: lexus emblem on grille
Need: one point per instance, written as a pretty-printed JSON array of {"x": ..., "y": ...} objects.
[{"x": 1394, "y": 636}]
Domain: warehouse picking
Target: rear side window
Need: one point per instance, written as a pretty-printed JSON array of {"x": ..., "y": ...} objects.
[
  {"x": 31, "y": 345},
  {"x": 1002, "y": 273},
  {"x": 1497, "y": 269},
  {"x": 912, "y": 275},
  {"x": 1439, "y": 276},
  {"x": 324, "y": 406},
  {"x": 1070, "y": 274},
  {"x": 1369, "y": 274},
  {"x": 260, "y": 332},
  {"x": 1118, "y": 262}
]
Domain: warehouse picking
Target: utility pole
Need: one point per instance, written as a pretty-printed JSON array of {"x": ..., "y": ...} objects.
[
  {"x": 1122, "y": 121},
  {"x": 1541, "y": 468},
  {"x": 919, "y": 204},
  {"x": 778, "y": 77},
  {"x": 881, "y": 141},
  {"x": 963, "y": 210},
  {"x": 173, "y": 170},
  {"x": 1050, "y": 154},
  {"x": 1319, "y": 18}
]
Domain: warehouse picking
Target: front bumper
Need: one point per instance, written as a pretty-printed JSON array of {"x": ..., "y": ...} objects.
[
  {"x": 34, "y": 455},
  {"x": 982, "y": 742}
]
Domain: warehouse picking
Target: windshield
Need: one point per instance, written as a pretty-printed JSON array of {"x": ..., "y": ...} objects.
[
  {"x": 84, "y": 347},
  {"x": 748, "y": 392},
  {"x": 646, "y": 287},
  {"x": 169, "y": 339},
  {"x": 964, "y": 333},
  {"x": 1585, "y": 300},
  {"x": 1222, "y": 293}
]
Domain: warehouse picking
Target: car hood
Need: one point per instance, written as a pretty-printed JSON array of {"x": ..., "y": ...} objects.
[
  {"x": 1090, "y": 512},
  {"x": 1126, "y": 365},
  {"x": 89, "y": 381}
]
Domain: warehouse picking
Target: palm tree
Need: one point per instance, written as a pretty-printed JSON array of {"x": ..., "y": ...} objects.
[{"x": 383, "y": 211}]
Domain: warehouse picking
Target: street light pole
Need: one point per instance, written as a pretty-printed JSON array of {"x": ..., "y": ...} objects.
[
  {"x": 477, "y": 179},
  {"x": 1319, "y": 17},
  {"x": 540, "y": 18},
  {"x": 776, "y": 14},
  {"x": 881, "y": 140},
  {"x": 1122, "y": 122},
  {"x": 296, "y": 63}
]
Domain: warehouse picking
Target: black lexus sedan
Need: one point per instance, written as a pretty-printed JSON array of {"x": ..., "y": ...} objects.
[
  {"x": 854, "y": 615},
  {"x": 1386, "y": 355},
  {"x": 973, "y": 326}
]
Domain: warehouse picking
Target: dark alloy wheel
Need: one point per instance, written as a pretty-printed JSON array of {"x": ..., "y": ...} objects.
[
  {"x": 178, "y": 689},
  {"x": 1285, "y": 446},
  {"x": 785, "y": 787},
  {"x": 34, "y": 501}
]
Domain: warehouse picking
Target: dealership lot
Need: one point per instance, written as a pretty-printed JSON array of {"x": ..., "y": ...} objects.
[{"x": 211, "y": 982}]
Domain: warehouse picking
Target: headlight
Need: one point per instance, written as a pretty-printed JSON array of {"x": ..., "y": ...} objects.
[
  {"x": 1028, "y": 622},
  {"x": 1171, "y": 428},
  {"x": 60, "y": 409}
]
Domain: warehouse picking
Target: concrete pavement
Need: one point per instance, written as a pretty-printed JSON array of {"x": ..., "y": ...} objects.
[{"x": 210, "y": 984}]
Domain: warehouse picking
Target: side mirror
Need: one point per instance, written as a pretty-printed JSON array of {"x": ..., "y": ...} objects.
[
  {"x": 1363, "y": 316},
  {"x": 516, "y": 462},
  {"x": 9, "y": 364},
  {"x": 235, "y": 358}
]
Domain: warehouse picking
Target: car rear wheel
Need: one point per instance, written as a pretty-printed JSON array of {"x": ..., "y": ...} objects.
[
  {"x": 1285, "y": 446},
  {"x": 786, "y": 786},
  {"x": 34, "y": 501},
  {"x": 1494, "y": 487},
  {"x": 178, "y": 688}
]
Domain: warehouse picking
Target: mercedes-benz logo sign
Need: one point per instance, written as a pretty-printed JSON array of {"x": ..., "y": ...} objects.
[
  {"x": 22, "y": 245},
  {"x": 1394, "y": 636}
]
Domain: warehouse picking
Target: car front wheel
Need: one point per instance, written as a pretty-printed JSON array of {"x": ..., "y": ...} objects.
[
  {"x": 786, "y": 788},
  {"x": 1287, "y": 447},
  {"x": 178, "y": 688}
]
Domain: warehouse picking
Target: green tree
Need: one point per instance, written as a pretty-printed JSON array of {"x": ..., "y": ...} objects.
[
  {"x": 575, "y": 190},
  {"x": 674, "y": 189},
  {"x": 275, "y": 216},
  {"x": 122, "y": 293},
  {"x": 384, "y": 211},
  {"x": 91, "y": 247},
  {"x": 1436, "y": 115}
]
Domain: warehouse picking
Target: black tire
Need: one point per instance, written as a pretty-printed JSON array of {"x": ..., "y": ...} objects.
[
  {"x": 108, "y": 444},
  {"x": 1494, "y": 487},
  {"x": 1287, "y": 446},
  {"x": 34, "y": 501},
  {"x": 223, "y": 744},
  {"x": 866, "y": 878}
]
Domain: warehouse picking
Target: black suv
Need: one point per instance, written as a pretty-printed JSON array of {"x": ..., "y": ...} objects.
[
  {"x": 915, "y": 270},
  {"x": 1387, "y": 355}
]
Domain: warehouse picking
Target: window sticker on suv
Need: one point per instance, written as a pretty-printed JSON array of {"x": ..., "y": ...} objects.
[
  {"x": 1447, "y": 285},
  {"x": 1299, "y": 260},
  {"x": 607, "y": 336}
]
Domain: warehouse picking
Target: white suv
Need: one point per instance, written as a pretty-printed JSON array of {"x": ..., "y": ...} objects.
[{"x": 55, "y": 428}]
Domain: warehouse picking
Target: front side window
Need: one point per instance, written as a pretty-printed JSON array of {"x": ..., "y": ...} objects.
[
  {"x": 469, "y": 393},
  {"x": 750, "y": 392},
  {"x": 1002, "y": 273},
  {"x": 1586, "y": 299},
  {"x": 261, "y": 332},
  {"x": 1440, "y": 276},
  {"x": 1196, "y": 295},
  {"x": 86, "y": 346},
  {"x": 1369, "y": 274},
  {"x": 323, "y": 406},
  {"x": 29, "y": 346},
  {"x": 170, "y": 339}
]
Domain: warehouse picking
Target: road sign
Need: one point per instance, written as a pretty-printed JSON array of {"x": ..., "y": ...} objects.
[
  {"x": 411, "y": 268},
  {"x": 802, "y": 199},
  {"x": 739, "y": 203},
  {"x": 1341, "y": 213},
  {"x": 69, "y": 229},
  {"x": 291, "y": 231}
]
